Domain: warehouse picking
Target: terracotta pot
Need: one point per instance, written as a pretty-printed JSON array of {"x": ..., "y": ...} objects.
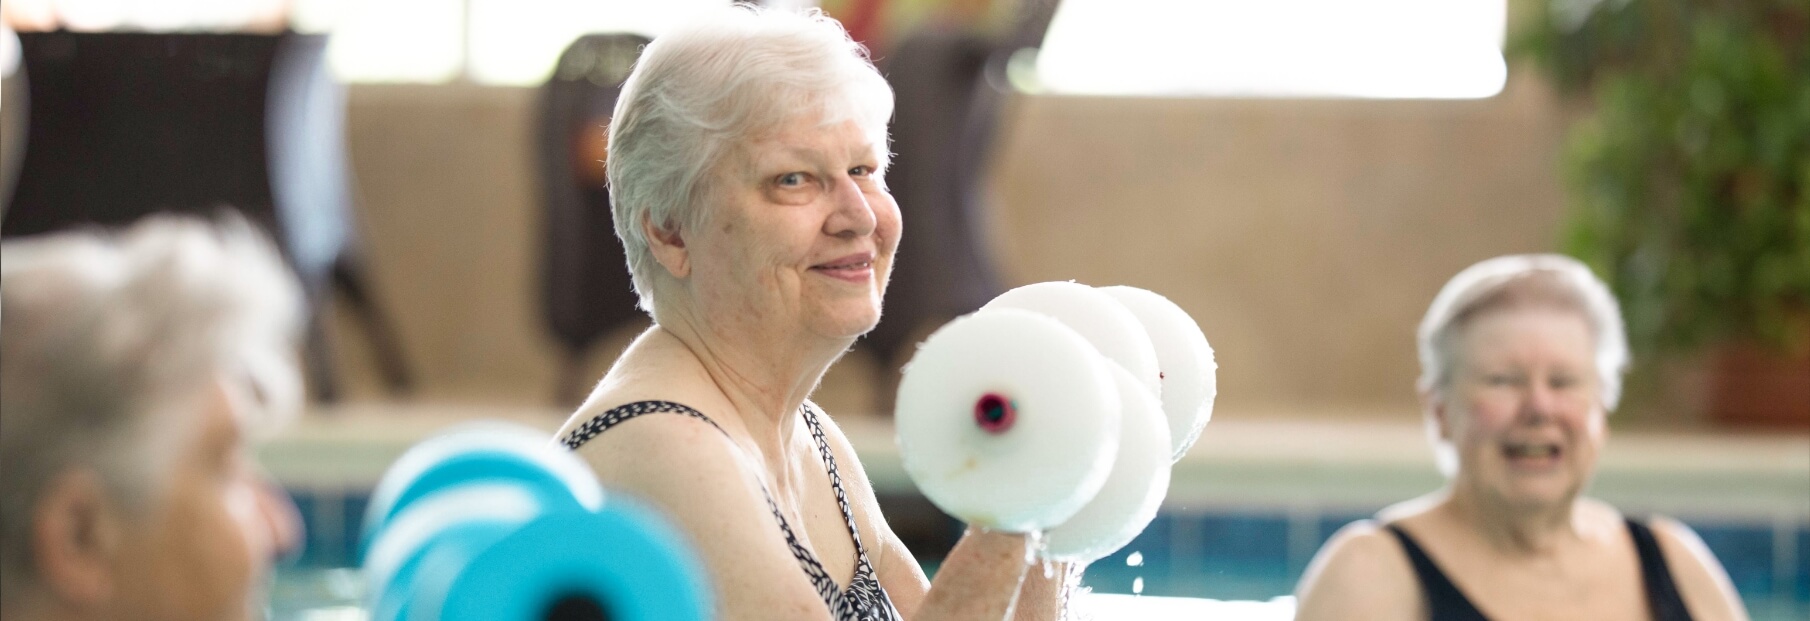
[{"x": 1758, "y": 388}]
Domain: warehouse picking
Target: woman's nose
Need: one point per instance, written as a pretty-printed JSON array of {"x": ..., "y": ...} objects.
[
  {"x": 281, "y": 518},
  {"x": 854, "y": 216},
  {"x": 1539, "y": 403}
]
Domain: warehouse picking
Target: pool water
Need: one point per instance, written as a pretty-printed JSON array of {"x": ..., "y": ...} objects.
[
  {"x": 1259, "y": 557},
  {"x": 1246, "y": 564}
]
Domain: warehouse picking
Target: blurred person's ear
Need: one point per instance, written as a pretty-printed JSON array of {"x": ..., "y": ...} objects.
[
  {"x": 667, "y": 246},
  {"x": 76, "y": 531},
  {"x": 1434, "y": 404}
]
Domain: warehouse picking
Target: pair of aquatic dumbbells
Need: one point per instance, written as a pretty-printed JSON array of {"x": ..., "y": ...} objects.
[
  {"x": 494, "y": 522},
  {"x": 1057, "y": 408}
]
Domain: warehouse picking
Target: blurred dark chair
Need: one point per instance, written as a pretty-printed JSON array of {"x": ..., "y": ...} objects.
[
  {"x": 585, "y": 286},
  {"x": 950, "y": 86},
  {"x": 13, "y": 104},
  {"x": 942, "y": 134},
  {"x": 125, "y": 124}
]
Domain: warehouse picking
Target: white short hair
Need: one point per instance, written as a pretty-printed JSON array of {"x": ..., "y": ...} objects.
[
  {"x": 704, "y": 87},
  {"x": 1491, "y": 285},
  {"x": 102, "y": 335}
]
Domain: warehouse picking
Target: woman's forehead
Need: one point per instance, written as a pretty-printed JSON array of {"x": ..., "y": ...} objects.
[
  {"x": 804, "y": 136},
  {"x": 1527, "y": 331}
]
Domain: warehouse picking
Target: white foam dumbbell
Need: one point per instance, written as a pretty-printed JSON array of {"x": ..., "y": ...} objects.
[
  {"x": 1133, "y": 491},
  {"x": 966, "y": 390},
  {"x": 1108, "y": 324},
  {"x": 1008, "y": 419},
  {"x": 1187, "y": 369}
]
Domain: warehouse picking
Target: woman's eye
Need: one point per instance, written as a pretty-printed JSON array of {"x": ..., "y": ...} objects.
[
  {"x": 790, "y": 180},
  {"x": 860, "y": 171},
  {"x": 1499, "y": 379}
]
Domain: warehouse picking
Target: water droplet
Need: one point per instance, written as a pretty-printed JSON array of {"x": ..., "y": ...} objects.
[
  {"x": 1137, "y": 586},
  {"x": 1135, "y": 560},
  {"x": 1049, "y": 569}
]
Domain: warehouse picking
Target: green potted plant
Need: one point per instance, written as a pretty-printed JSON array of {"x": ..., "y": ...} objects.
[{"x": 1689, "y": 182}]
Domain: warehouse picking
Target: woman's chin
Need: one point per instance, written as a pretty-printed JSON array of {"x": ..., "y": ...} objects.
[
  {"x": 1541, "y": 494},
  {"x": 848, "y": 324}
]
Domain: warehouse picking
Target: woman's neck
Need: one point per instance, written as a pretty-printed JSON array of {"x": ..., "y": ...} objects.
[
  {"x": 765, "y": 377},
  {"x": 1515, "y": 529}
]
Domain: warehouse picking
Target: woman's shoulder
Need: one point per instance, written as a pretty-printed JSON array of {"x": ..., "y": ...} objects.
[
  {"x": 1701, "y": 580},
  {"x": 1360, "y": 572},
  {"x": 696, "y": 476},
  {"x": 643, "y": 413}
]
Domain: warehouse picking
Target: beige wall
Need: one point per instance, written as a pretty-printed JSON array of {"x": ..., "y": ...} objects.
[{"x": 1305, "y": 236}]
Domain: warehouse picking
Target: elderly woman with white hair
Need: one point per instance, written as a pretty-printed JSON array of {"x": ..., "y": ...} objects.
[
  {"x": 745, "y": 166},
  {"x": 1521, "y": 361},
  {"x": 135, "y": 369}
]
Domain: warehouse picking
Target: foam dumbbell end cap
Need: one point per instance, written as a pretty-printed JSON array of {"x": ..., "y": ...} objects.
[
  {"x": 1188, "y": 371},
  {"x": 475, "y": 452},
  {"x": 1007, "y": 419}
]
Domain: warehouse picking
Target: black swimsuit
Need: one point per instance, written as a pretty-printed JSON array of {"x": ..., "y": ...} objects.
[
  {"x": 864, "y": 599},
  {"x": 1447, "y": 603}
]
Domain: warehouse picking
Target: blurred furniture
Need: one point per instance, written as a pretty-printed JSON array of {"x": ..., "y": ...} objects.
[
  {"x": 942, "y": 132},
  {"x": 13, "y": 105},
  {"x": 126, "y": 124},
  {"x": 585, "y": 287}
]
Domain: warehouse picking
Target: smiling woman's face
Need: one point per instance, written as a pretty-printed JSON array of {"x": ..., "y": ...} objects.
[
  {"x": 1524, "y": 408},
  {"x": 800, "y": 233}
]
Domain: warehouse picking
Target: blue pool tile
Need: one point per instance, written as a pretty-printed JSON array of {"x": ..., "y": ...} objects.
[
  {"x": 1801, "y": 581},
  {"x": 330, "y": 519},
  {"x": 1746, "y": 552},
  {"x": 1238, "y": 557},
  {"x": 1113, "y": 575},
  {"x": 353, "y": 509},
  {"x": 321, "y": 537},
  {"x": 1244, "y": 538}
]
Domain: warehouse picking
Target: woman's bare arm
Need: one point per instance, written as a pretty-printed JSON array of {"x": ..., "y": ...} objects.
[
  {"x": 1046, "y": 590},
  {"x": 1702, "y": 581},
  {"x": 980, "y": 579}
]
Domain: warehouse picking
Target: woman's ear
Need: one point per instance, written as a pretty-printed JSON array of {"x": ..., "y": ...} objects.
[
  {"x": 76, "y": 532},
  {"x": 667, "y": 246},
  {"x": 1433, "y": 403}
]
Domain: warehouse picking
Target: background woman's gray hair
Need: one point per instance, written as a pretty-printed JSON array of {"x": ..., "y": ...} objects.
[
  {"x": 102, "y": 336},
  {"x": 700, "y": 89},
  {"x": 1479, "y": 288},
  {"x": 1479, "y": 284}
]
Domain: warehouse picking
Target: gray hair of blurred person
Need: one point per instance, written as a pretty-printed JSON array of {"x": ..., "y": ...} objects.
[
  {"x": 106, "y": 337},
  {"x": 701, "y": 89},
  {"x": 1509, "y": 283}
]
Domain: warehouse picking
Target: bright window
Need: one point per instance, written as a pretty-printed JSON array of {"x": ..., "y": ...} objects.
[
  {"x": 487, "y": 41},
  {"x": 1448, "y": 49}
]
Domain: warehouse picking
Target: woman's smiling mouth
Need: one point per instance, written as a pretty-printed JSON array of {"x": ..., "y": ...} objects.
[{"x": 855, "y": 268}]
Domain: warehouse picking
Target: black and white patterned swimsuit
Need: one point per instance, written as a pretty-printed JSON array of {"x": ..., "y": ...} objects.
[{"x": 864, "y": 599}]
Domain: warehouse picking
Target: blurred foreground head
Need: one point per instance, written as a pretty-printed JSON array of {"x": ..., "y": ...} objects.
[{"x": 135, "y": 368}]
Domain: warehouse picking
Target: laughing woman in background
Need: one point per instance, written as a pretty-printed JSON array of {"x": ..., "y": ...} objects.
[{"x": 1521, "y": 361}]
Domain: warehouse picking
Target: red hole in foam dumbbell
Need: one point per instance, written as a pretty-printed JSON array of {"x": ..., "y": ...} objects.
[{"x": 995, "y": 413}]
